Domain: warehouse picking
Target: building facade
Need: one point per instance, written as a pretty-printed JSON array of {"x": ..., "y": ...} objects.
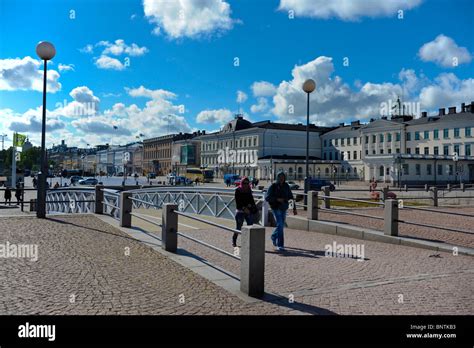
[
  {"x": 402, "y": 149},
  {"x": 186, "y": 153}
]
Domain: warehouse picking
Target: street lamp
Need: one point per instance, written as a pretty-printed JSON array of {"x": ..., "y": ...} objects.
[
  {"x": 45, "y": 51},
  {"x": 308, "y": 87}
]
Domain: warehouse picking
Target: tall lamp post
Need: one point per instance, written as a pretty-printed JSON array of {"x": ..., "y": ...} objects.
[
  {"x": 308, "y": 87},
  {"x": 45, "y": 51}
]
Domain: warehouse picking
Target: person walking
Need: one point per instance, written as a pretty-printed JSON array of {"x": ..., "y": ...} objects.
[
  {"x": 278, "y": 196},
  {"x": 246, "y": 207},
  {"x": 8, "y": 196},
  {"x": 18, "y": 193}
]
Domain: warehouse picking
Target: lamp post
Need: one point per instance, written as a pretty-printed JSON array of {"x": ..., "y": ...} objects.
[
  {"x": 45, "y": 51},
  {"x": 308, "y": 87}
]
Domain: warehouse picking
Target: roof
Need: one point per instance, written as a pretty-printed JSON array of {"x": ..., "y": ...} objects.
[
  {"x": 286, "y": 126},
  {"x": 461, "y": 116},
  {"x": 286, "y": 157}
]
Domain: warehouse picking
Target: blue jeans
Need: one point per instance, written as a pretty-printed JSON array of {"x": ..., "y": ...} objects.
[
  {"x": 239, "y": 219},
  {"x": 277, "y": 235}
]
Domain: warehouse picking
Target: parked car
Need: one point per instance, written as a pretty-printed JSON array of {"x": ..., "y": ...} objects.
[
  {"x": 317, "y": 184},
  {"x": 88, "y": 181},
  {"x": 151, "y": 176},
  {"x": 293, "y": 185},
  {"x": 75, "y": 179},
  {"x": 181, "y": 180},
  {"x": 120, "y": 174},
  {"x": 232, "y": 178}
]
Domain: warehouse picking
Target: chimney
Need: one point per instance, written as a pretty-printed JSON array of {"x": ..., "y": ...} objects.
[
  {"x": 441, "y": 112},
  {"x": 451, "y": 110},
  {"x": 424, "y": 114},
  {"x": 463, "y": 107},
  {"x": 355, "y": 123}
]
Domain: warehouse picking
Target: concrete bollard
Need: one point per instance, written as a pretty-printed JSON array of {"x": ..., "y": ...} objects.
[
  {"x": 99, "y": 198},
  {"x": 169, "y": 227},
  {"x": 405, "y": 187},
  {"x": 463, "y": 187},
  {"x": 33, "y": 204},
  {"x": 252, "y": 261},
  {"x": 426, "y": 187},
  {"x": 391, "y": 217},
  {"x": 312, "y": 205},
  {"x": 327, "y": 200},
  {"x": 448, "y": 187},
  {"x": 434, "y": 189},
  {"x": 125, "y": 209}
]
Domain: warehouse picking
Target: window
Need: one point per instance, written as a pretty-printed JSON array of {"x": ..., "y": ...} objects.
[
  {"x": 355, "y": 140},
  {"x": 450, "y": 169},
  {"x": 366, "y": 139},
  {"x": 342, "y": 141},
  {"x": 255, "y": 141},
  {"x": 381, "y": 151},
  {"x": 330, "y": 156},
  {"x": 381, "y": 171},
  {"x": 467, "y": 150},
  {"x": 406, "y": 170},
  {"x": 348, "y": 141},
  {"x": 446, "y": 150},
  {"x": 467, "y": 131},
  {"x": 436, "y": 134},
  {"x": 381, "y": 138},
  {"x": 374, "y": 139},
  {"x": 446, "y": 133},
  {"x": 325, "y": 143},
  {"x": 336, "y": 155},
  {"x": 389, "y": 150},
  {"x": 440, "y": 169},
  {"x": 389, "y": 137},
  {"x": 428, "y": 169},
  {"x": 348, "y": 156},
  {"x": 397, "y": 136},
  {"x": 335, "y": 142},
  {"x": 456, "y": 132},
  {"x": 417, "y": 135},
  {"x": 366, "y": 152},
  {"x": 417, "y": 150},
  {"x": 418, "y": 169},
  {"x": 355, "y": 154},
  {"x": 326, "y": 171},
  {"x": 324, "y": 156},
  {"x": 456, "y": 149},
  {"x": 373, "y": 152},
  {"x": 397, "y": 150},
  {"x": 408, "y": 136},
  {"x": 436, "y": 150},
  {"x": 408, "y": 150},
  {"x": 426, "y": 150},
  {"x": 245, "y": 142},
  {"x": 426, "y": 135}
]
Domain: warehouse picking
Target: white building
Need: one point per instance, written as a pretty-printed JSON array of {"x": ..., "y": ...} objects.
[{"x": 435, "y": 149}]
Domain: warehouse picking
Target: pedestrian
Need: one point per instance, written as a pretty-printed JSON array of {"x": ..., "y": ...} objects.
[
  {"x": 278, "y": 196},
  {"x": 35, "y": 182},
  {"x": 8, "y": 196},
  {"x": 18, "y": 193},
  {"x": 246, "y": 207},
  {"x": 56, "y": 185}
]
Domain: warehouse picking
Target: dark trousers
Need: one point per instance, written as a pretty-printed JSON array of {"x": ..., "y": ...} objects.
[{"x": 239, "y": 219}]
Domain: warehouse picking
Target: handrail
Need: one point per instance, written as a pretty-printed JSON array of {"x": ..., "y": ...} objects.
[
  {"x": 141, "y": 216},
  {"x": 208, "y": 222},
  {"x": 438, "y": 211},
  {"x": 110, "y": 205},
  {"x": 339, "y": 211},
  {"x": 351, "y": 200},
  {"x": 208, "y": 245},
  {"x": 144, "y": 202},
  {"x": 434, "y": 226}
]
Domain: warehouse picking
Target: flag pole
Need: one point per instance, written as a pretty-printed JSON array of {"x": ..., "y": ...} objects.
[{"x": 13, "y": 183}]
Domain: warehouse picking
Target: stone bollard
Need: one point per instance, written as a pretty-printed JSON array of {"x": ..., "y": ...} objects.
[
  {"x": 252, "y": 261},
  {"x": 405, "y": 187},
  {"x": 125, "y": 209},
  {"x": 426, "y": 187},
  {"x": 99, "y": 198},
  {"x": 391, "y": 217},
  {"x": 448, "y": 187},
  {"x": 434, "y": 189},
  {"x": 312, "y": 205},
  {"x": 169, "y": 227},
  {"x": 33, "y": 204},
  {"x": 327, "y": 200},
  {"x": 463, "y": 187}
]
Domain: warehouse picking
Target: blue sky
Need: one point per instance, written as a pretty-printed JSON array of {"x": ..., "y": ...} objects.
[{"x": 184, "y": 77}]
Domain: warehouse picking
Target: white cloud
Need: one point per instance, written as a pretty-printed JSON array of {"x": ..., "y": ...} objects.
[
  {"x": 241, "y": 97},
  {"x": 119, "y": 47},
  {"x": 188, "y": 18},
  {"x": 444, "y": 52},
  {"x": 24, "y": 74},
  {"x": 65, "y": 67},
  {"x": 219, "y": 116},
  {"x": 263, "y": 89},
  {"x": 87, "y": 49},
  {"x": 106, "y": 62},
  {"x": 261, "y": 106},
  {"x": 447, "y": 90},
  {"x": 148, "y": 93},
  {"x": 346, "y": 9}
]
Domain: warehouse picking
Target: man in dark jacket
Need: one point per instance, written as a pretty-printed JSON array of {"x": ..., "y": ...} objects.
[
  {"x": 246, "y": 207},
  {"x": 278, "y": 196}
]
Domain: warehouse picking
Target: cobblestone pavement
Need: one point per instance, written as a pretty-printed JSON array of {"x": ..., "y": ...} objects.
[
  {"x": 392, "y": 279},
  {"x": 82, "y": 268}
]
